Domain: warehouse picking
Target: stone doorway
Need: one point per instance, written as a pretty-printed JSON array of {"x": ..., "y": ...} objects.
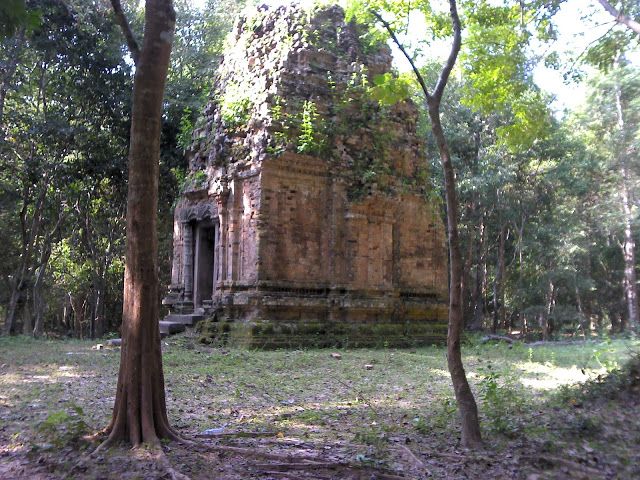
[{"x": 204, "y": 262}]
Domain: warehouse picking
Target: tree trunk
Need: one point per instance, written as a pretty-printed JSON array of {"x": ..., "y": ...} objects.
[
  {"x": 498, "y": 285},
  {"x": 38, "y": 303},
  {"x": 29, "y": 231},
  {"x": 14, "y": 298},
  {"x": 139, "y": 413},
  {"x": 45, "y": 255},
  {"x": 26, "y": 316},
  {"x": 477, "y": 299},
  {"x": 98, "y": 312},
  {"x": 464, "y": 396},
  {"x": 628, "y": 246},
  {"x": 77, "y": 305},
  {"x": 523, "y": 319},
  {"x": 629, "y": 255},
  {"x": 471, "y": 436},
  {"x": 545, "y": 318}
]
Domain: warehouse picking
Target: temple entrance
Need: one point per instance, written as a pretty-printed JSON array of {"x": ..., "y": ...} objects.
[{"x": 204, "y": 262}]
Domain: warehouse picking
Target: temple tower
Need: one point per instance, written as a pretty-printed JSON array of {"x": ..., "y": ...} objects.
[{"x": 306, "y": 218}]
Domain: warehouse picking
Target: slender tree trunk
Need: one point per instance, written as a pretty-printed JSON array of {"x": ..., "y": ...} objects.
[
  {"x": 77, "y": 305},
  {"x": 477, "y": 295},
  {"x": 38, "y": 303},
  {"x": 66, "y": 314},
  {"x": 628, "y": 246},
  {"x": 45, "y": 255},
  {"x": 14, "y": 298},
  {"x": 139, "y": 413},
  {"x": 465, "y": 297},
  {"x": 523, "y": 320},
  {"x": 26, "y": 316},
  {"x": 582, "y": 319},
  {"x": 629, "y": 255},
  {"x": 464, "y": 396},
  {"x": 29, "y": 231},
  {"x": 467, "y": 406},
  {"x": 498, "y": 284},
  {"x": 545, "y": 323},
  {"x": 98, "y": 312}
]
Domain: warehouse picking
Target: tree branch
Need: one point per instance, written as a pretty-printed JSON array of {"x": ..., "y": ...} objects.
[
  {"x": 121, "y": 19},
  {"x": 393, "y": 36},
  {"x": 453, "y": 54},
  {"x": 620, "y": 17}
]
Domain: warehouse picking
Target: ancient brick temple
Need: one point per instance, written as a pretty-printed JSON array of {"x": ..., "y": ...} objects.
[{"x": 306, "y": 216}]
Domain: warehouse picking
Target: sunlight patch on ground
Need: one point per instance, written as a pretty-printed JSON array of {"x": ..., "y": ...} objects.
[
  {"x": 441, "y": 372},
  {"x": 549, "y": 377}
]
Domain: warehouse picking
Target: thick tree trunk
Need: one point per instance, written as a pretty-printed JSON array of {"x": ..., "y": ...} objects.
[{"x": 139, "y": 413}]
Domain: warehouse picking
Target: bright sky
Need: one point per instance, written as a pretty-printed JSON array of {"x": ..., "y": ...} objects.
[{"x": 579, "y": 23}]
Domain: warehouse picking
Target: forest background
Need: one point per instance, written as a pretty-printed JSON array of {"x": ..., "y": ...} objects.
[{"x": 548, "y": 202}]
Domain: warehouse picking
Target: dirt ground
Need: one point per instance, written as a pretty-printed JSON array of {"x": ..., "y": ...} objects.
[{"x": 548, "y": 412}]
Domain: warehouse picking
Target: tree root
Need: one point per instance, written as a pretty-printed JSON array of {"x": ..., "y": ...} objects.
[
  {"x": 415, "y": 462},
  {"x": 274, "y": 473},
  {"x": 154, "y": 450},
  {"x": 300, "y": 462},
  {"x": 163, "y": 461},
  {"x": 300, "y": 466},
  {"x": 236, "y": 435}
]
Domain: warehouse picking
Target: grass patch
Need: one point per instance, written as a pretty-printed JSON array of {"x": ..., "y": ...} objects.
[{"x": 370, "y": 397}]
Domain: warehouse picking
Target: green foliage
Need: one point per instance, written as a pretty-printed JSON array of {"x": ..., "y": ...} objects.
[
  {"x": 184, "y": 137},
  {"x": 441, "y": 417},
  {"x": 389, "y": 89},
  {"x": 195, "y": 180},
  {"x": 236, "y": 104},
  {"x": 14, "y": 16},
  {"x": 64, "y": 131},
  {"x": 614, "y": 43},
  {"x": 63, "y": 427},
  {"x": 309, "y": 141},
  {"x": 502, "y": 400},
  {"x": 498, "y": 73}
]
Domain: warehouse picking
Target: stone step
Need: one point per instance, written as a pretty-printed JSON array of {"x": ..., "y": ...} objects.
[
  {"x": 169, "y": 328},
  {"x": 189, "y": 319}
]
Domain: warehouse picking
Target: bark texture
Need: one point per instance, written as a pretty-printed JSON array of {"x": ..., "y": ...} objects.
[{"x": 139, "y": 413}]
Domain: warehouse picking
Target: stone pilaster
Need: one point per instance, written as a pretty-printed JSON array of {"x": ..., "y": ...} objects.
[{"x": 187, "y": 259}]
